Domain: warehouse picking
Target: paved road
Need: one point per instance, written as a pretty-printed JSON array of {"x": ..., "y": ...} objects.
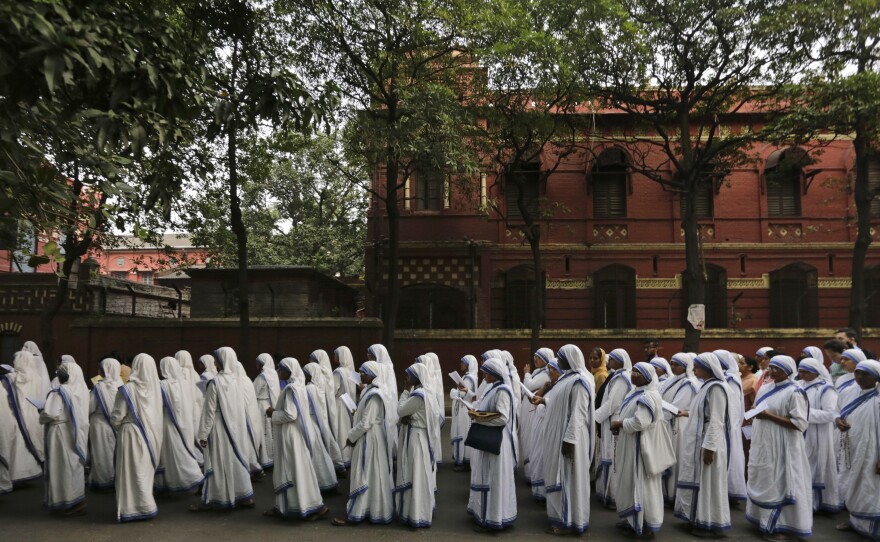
[{"x": 23, "y": 518}]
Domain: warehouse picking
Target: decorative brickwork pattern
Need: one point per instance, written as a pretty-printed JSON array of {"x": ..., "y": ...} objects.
[
  {"x": 610, "y": 232},
  {"x": 450, "y": 271}
]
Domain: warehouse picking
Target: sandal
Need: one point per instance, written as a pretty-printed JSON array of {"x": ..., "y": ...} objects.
[
  {"x": 246, "y": 504},
  {"x": 200, "y": 508},
  {"x": 558, "y": 532},
  {"x": 272, "y": 513},
  {"x": 341, "y": 522},
  {"x": 315, "y": 516},
  {"x": 78, "y": 510},
  {"x": 481, "y": 529}
]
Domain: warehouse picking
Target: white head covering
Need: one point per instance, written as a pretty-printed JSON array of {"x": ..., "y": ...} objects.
[
  {"x": 815, "y": 353},
  {"x": 575, "y": 358},
  {"x": 855, "y": 355},
  {"x": 488, "y": 354},
  {"x": 83, "y": 388},
  {"x": 646, "y": 370},
  {"x": 271, "y": 375},
  {"x": 870, "y": 366},
  {"x": 709, "y": 362},
  {"x": 379, "y": 353},
  {"x": 106, "y": 389},
  {"x": 343, "y": 353},
  {"x": 187, "y": 370},
  {"x": 71, "y": 395},
  {"x": 663, "y": 364},
  {"x": 686, "y": 360},
  {"x": 621, "y": 355},
  {"x": 178, "y": 399},
  {"x": 545, "y": 354},
  {"x": 786, "y": 363},
  {"x": 321, "y": 358},
  {"x": 815, "y": 366},
  {"x": 763, "y": 351},
  {"x": 433, "y": 411},
  {"x": 27, "y": 376},
  {"x": 296, "y": 373},
  {"x": 210, "y": 370},
  {"x": 472, "y": 366},
  {"x": 145, "y": 395},
  {"x": 497, "y": 368},
  {"x": 45, "y": 379}
]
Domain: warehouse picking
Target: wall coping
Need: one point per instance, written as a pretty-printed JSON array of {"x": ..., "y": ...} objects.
[
  {"x": 113, "y": 321},
  {"x": 630, "y": 334}
]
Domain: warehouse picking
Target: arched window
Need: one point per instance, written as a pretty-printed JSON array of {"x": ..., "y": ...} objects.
[
  {"x": 614, "y": 305},
  {"x": 433, "y": 306},
  {"x": 794, "y": 296},
  {"x": 872, "y": 294},
  {"x": 608, "y": 184},
  {"x": 716, "y": 296},
  {"x": 784, "y": 174}
]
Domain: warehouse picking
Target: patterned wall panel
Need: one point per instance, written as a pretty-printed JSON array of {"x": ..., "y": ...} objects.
[{"x": 451, "y": 271}]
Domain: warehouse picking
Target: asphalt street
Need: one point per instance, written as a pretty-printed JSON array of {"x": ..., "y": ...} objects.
[{"x": 22, "y": 517}]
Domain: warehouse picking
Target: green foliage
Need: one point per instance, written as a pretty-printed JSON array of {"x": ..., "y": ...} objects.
[{"x": 298, "y": 205}]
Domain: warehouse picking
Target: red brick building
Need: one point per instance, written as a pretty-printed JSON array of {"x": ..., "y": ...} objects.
[{"x": 777, "y": 254}]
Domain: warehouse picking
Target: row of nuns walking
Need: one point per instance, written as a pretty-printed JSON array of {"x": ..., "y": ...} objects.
[{"x": 697, "y": 434}]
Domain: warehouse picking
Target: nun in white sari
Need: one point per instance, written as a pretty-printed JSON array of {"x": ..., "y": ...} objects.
[
  {"x": 27, "y": 450},
  {"x": 819, "y": 438},
  {"x": 223, "y": 434},
  {"x": 327, "y": 386},
  {"x": 420, "y": 416},
  {"x": 528, "y": 413},
  {"x": 178, "y": 469},
  {"x": 66, "y": 417},
  {"x": 320, "y": 416},
  {"x": 569, "y": 443},
  {"x": 679, "y": 390},
  {"x": 8, "y": 436},
  {"x": 196, "y": 397},
  {"x": 208, "y": 372},
  {"x": 257, "y": 455},
  {"x": 859, "y": 422},
  {"x": 701, "y": 497},
  {"x": 137, "y": 417},
  {"x": 736, "y": 470},
  {"x": 342, "y": 385},
  {"x": 267, "y": 388},
  {"x": 296, "y": 485},
  {"x": 643, "y": 451},
  {"x": 370, "y": 497},
  {"x": 461, "y": 422},
  {"x": 780, "y": 490},
  {"x": 492, "y": 501},
  {"x": 617, "y": 386},
  {"x": 325, "y": 470},
  {"x": 40, "y": 364},
  {"x": 102, "y": 435},
  {"x": 388, "y": 386}
]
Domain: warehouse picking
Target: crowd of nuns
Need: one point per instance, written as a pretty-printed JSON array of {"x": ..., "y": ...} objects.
[{"x": 693, "y": 435}]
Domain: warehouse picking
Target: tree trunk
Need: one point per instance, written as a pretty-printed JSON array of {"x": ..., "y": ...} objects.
[
  {"x": 47, "y": 318},
  {"x": 696, "y": 278},
  {"x": 240, "y": 232},
  {"x": 392, "y": 293},
  {"x": 857, "y": 302},
  {"x": 536, "y": 318}
]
